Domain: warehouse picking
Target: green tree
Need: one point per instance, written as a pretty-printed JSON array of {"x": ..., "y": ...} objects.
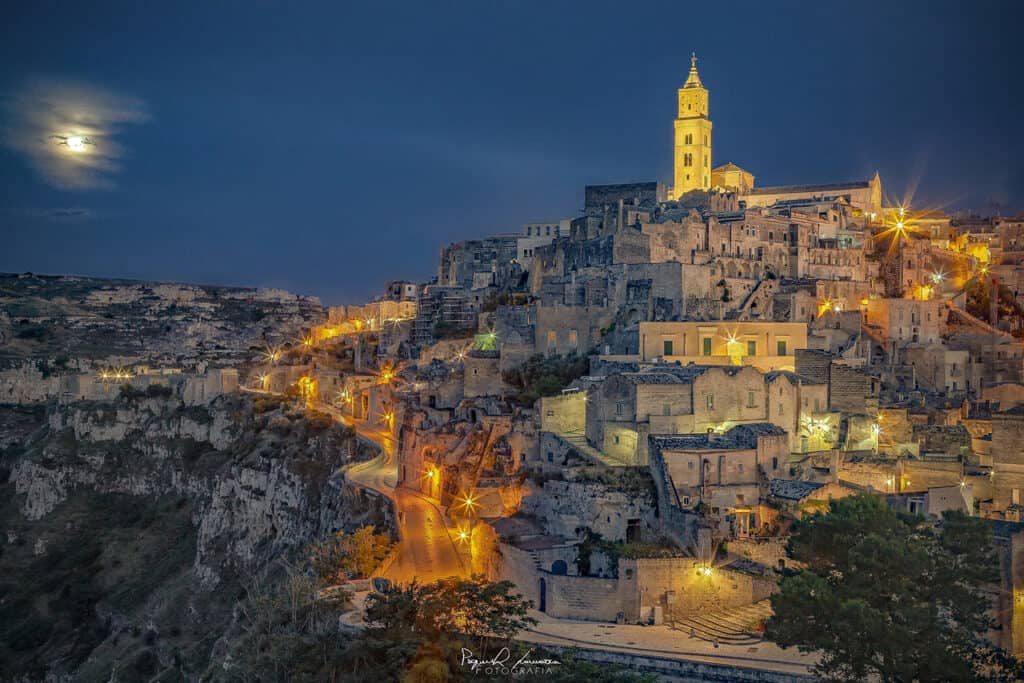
[
  {"x": 886, "y": 596},
  {"x": 349, "y": 556}
]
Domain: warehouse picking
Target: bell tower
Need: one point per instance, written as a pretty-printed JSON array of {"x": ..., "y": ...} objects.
[{"x": 693, "y": 136}]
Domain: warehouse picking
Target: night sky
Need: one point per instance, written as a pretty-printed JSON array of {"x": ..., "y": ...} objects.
[{"x": 327, "y": 149}]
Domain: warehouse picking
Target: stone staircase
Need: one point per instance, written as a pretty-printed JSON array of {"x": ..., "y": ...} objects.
[
  {"x": 757, "y": 303},
  {"x": 579, "y": 443},
  {"x": 729, "y": 626}
]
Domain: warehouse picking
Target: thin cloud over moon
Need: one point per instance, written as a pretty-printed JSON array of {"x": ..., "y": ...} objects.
[{"x": 68, "y": 131}]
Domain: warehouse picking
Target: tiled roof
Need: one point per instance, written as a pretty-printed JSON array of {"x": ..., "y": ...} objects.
[
  {"x": 740, "y": 437},
  {"x": 652, "y": 378},
  {"x": 729, "y": 166},
  {"x": 792, "y": 489},
  {"x": 826, "y": 187},
  {"x": 793, "y": 378}
]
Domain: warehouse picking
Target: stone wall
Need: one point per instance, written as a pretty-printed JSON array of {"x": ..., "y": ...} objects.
[
  {"x": 681, "y": 587},
  {"x": 569, "y": 506},
  {"x": 563, "y": 414}
]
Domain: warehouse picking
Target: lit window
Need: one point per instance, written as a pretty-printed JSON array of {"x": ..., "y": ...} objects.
[
  {"x": 751, "y": 348},
  {"x": 710, "y": 401},
  {"x": 572, "y": 338}
]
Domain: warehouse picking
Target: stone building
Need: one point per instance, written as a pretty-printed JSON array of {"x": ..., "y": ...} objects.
[
  {"x": 441, "y": 311},
  {"x": 627, "y": 407},
  {"x": 537, "y": 235},
  {"x": 766, "y": 346},
  {"x": 473, "y": 264},
  {"x": 725, "y": 474}
]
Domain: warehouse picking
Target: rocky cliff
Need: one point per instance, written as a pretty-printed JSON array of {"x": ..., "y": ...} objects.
[{"x": 133, "y": 527}]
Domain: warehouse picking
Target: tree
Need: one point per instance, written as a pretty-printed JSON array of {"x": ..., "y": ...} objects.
[
  {"x": 886, "y": 596},
  {"x": 349, "y": 556},
  {"x": 473, "y": 607}
]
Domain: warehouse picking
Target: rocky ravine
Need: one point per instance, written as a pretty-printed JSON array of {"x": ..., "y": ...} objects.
[{"x": 134, "y": 527}]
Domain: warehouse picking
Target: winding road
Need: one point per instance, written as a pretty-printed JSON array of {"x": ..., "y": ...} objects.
[{"x": 427, "y": 551}]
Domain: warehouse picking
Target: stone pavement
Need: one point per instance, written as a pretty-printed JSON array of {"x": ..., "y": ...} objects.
[{"x": 665, "y": 643}]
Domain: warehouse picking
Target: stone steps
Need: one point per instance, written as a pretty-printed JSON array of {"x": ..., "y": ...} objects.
[
  {"x": 579, "y": 442},
  {"x": 726, "y": 626}
]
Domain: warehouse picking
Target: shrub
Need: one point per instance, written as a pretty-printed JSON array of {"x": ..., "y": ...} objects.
[{"x": 545, "y": 375}]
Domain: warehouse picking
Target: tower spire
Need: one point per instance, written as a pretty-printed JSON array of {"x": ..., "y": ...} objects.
[{"x": 693, "y": 80}]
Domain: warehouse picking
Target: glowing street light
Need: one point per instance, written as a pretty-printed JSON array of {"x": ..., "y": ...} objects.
[
  {"x": 706, "y": 570},
  {"x": 468, "y": 503}
]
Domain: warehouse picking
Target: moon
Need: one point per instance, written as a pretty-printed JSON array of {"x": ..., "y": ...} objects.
[{"x": 76, "y": 143}]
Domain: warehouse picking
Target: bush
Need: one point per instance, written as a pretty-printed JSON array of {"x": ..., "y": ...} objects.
[{"x": 545, "y": 376}]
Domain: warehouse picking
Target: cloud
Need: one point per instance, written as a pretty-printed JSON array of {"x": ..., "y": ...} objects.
[
  {"x": 68, "y": 214},
  {"x": 67, "y": 131}
]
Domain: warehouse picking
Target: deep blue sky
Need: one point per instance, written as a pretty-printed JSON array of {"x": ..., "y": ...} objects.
[{"x": 328, "y": 148}]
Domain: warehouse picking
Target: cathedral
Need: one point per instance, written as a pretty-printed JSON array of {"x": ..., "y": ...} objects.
[{"x": 693, "y": 169}]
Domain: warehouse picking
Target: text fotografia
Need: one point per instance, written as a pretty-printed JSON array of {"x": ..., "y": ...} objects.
[{"x": 501, "y": 664}]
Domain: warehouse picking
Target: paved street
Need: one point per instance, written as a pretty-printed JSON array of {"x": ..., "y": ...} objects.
[{"x": 427, "y": 551}]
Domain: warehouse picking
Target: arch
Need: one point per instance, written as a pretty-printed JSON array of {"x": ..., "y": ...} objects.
[
  {"x": 559, "y": 567},
  {"x": 543, "y": 606}
]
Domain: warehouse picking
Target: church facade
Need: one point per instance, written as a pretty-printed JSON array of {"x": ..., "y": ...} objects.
[{"x": 693, "y": 168}]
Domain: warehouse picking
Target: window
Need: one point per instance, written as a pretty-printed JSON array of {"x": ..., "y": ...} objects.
[
  {"x": 775, "y": 463},
  {"x": 572, "y": 338},
  {"x": 707, "y": 346},
  {"x": 780, "y": 348},
  {"x": 548, "y": 230},
  {"x": 689, "y": 465},
  {"x": 689, "y": 139},
  {"x": 739, "y": 468},
  {"x": 666, "y": 347},
  {"x": 710, "y": 401},
  {"x": 616, "y": 439},
  {"x": 751, "y": 348},
  {"x": 751, "y": 399},
  {"x": 551, "y": 339},
  {"x": 551, "y": 413},
  {"x": 817, "y": 405},
  {"x": 618, "y": 408},
  {"x": 782, "y": 408},
  {"x": 666, "y": 409}
]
